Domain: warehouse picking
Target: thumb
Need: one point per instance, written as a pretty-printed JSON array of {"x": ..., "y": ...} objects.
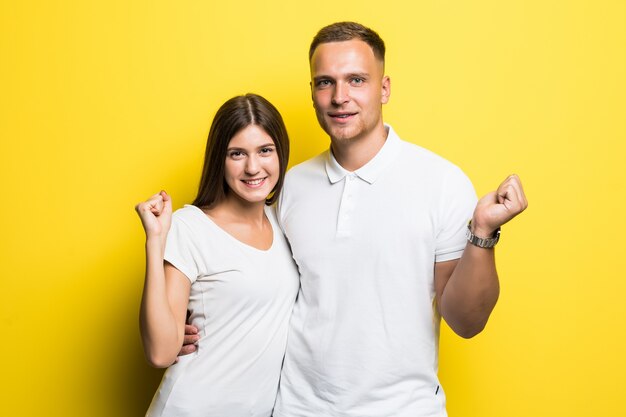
[{"x": 167, "y": 202}]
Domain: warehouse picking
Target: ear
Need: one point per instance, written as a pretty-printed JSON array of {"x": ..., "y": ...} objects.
[
  {"x": 311, "y": 87},
  {"x": 386, "y": 89}
]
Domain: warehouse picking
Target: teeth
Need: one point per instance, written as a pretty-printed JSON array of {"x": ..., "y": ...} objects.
[{"x": 254, "y": 182}]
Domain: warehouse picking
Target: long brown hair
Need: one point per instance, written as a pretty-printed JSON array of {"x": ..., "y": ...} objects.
[{"x": 234, "y": 115}]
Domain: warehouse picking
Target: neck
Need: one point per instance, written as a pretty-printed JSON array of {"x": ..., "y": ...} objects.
[
  {"x": 354, "y": 153},
  {"x": 237, "y": 209}
]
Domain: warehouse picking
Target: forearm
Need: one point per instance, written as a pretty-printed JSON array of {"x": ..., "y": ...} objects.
[
  {"x": 467, "y": 290},
  {"x": 161, "y": 335},
  {"x": 471, "y": 292}
]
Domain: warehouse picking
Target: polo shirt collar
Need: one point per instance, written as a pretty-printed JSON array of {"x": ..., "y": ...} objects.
[{"x": 372, "y": 170}]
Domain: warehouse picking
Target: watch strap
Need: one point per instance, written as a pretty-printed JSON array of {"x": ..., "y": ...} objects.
[{"x": 482, "y": 242}]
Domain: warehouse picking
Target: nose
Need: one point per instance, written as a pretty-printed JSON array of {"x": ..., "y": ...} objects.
[
  {"x": 340, "y": 94},
  {"x": 252, "y": 165}
]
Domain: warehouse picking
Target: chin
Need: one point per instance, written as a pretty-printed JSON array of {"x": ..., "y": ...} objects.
[
  {"x": 253, "y": 198},
  {"x": 343, "y": 135}
]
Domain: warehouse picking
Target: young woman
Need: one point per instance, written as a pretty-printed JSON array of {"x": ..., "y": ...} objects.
[{"x": 225, "y": 260}]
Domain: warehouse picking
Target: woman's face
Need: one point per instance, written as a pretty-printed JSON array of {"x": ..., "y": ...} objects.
[{"x": 252, "y": 165}]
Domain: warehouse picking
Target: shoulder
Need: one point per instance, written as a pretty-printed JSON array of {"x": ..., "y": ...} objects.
[
  {"x": 313, "y": 166},
  {"x": 270, "y": 212},
  {"x": 438, "y": 174},
  {"x": 300, "y": 180},
  {"x": 188, "y": 216},
  {"x": 306, "y": 173},
  {"x": 429, "y": 163},
  {"x": 188, "y": 211},
  {"x": 430, "y": 159}
]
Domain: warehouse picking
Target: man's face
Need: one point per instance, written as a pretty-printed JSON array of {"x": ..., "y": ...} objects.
[{"x": 348, "y": 89}]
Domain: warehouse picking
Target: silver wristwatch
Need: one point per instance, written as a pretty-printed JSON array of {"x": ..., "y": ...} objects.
[{"x": 482, "y": 242}]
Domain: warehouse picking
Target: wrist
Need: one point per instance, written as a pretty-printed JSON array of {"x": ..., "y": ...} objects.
[
  {"x": 483, "y": 233},
  {"x": 481, "y": 230},
  {"x": 482, "y": 237},
  {"x": 155, "y": 242}
]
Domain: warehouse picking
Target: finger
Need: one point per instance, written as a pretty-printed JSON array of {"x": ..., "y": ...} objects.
[
  {"x": 190, "y": 339},
  {"x": 503, "y": 192},
  {"x": 167, "y": 202},
  {"x": 156, "y": 204},
  {"x": 145, "y": 208},
  {"x": 489, "y": 198},
  {"x": 190, "y": 329},
  {"x": 519, "y": 189},
  {"x": 509, "y": 195},
  {"x": 153, "y": 198},
  {"x": 513, "y": 178},
  {"x": 510, "y": 183},
  {"x": 520, "y": 192},
  {"x": 516, "y": 186},
  {"x": 187, "y": 349}
]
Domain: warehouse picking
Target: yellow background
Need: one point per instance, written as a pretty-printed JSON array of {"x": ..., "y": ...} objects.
[{"x": 105, "y": 103}]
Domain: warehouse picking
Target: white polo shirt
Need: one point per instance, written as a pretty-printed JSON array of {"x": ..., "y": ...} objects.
[{"x": 363, "y": 338}]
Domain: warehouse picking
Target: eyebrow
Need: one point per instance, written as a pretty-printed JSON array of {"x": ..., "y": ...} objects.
[
  {"x": 350, "y": 75},
  {"x": 359, "y": 74},
  {"x": 267, "y": 145}
]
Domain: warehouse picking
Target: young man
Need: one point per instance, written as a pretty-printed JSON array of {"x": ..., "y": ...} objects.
[
  {"x": 379, "y": 230},
  {"x": 377, "y": 227}
]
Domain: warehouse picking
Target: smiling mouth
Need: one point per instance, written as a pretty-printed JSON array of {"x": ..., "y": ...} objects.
[
  {"x": 341, "y": 116},
  {"x": 255, "y": 182}
]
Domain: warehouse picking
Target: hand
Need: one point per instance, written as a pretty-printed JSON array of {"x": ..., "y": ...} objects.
[
  {"x": 498, "y": 207},
  {"x": 156, "y": 215},
  {"x": 189, "y": 341}
]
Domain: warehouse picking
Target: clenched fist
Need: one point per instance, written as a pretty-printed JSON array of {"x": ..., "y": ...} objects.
[
  {"x": 156, "y": 215},
  {"x": 498, "y": 207}
]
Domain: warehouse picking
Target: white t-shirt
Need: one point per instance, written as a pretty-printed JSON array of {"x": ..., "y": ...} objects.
[
  {"x": 241, "y": 300},
  {"x": 363, "y": 338}
]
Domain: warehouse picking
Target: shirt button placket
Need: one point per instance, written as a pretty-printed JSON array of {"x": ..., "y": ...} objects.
[{"x": 344, "y": 220}]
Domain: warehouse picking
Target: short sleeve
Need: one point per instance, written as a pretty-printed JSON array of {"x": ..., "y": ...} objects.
[
  {"x": 456, "y": 206},
  {"x": 180, "y": 250}
]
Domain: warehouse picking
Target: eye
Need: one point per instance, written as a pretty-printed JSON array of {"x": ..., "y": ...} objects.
[
  {"x": 236, "y": 155},
  {"x": 266, "y": 151},
  {"x": 323, "y": 83},
  {"x": 357, "y": 80}
]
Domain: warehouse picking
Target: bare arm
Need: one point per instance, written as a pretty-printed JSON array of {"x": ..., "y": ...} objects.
[
  {"x": 467, "y": 289},
  {"x": 166, "y": 289}
]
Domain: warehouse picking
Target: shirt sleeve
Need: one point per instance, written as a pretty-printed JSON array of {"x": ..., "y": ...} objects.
[
  {"x": 180, "y": 250},
  {"x": 456, "y": 206}
]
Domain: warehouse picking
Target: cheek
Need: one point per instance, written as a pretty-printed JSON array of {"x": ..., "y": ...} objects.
[
  {"x": 231, "y": 169},
  {"x": 319, "y": 98},
  {"x": 273, "y": 164},
  {"x": 365, "y": 97}
]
